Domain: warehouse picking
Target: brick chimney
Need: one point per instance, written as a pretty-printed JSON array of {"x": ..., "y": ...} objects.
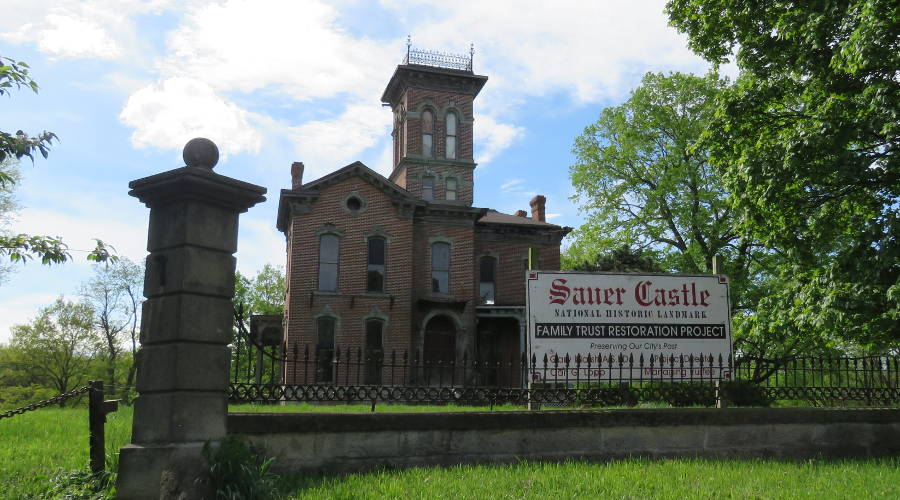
[
  {"x": 521, "y": 213},
  {"x": 537, "y": 208},
  {"x": 296, "y": 174}
]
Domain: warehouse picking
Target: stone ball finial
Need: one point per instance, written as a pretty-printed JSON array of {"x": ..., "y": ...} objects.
[{"x": 200, "y": 152}]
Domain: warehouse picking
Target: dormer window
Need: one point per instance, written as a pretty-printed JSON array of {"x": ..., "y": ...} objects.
[
  {"x": 428, "y": 188},
  {"x": 450, "y": 188},
  {"x": 451, "y": 136},
  {"x": 427, "y": 133}
]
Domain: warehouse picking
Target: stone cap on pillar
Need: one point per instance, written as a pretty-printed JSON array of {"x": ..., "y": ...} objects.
[{"x": 197, "y": 181}]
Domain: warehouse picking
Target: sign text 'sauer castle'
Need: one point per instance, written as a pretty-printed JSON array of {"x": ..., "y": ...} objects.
[{"x": 607, "y": 315}]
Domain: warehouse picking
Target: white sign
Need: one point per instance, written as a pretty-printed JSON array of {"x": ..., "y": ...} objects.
[{"x": 605, "y": 316}]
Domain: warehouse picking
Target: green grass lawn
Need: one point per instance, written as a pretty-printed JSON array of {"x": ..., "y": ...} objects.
[
  {"x": 43, "y": 447},
  {"x": 665, "y": 479}
]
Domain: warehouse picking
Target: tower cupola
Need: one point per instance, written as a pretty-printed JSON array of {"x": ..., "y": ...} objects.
[{"x": 431, "y": 96}]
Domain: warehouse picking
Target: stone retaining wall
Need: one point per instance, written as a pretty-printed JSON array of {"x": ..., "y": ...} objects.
[{"x": 353, "y": 442}]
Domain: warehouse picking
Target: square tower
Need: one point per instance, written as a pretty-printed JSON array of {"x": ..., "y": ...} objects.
[{"x": 431, "y": 96}]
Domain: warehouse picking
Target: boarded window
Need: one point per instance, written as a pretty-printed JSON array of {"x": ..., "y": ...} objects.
[
  {"x": 324, "y": 350},
  {"x": 374, "y": 351}
]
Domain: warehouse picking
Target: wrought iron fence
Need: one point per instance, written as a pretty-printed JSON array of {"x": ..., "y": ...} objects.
[{"x": 354, "y": 375}]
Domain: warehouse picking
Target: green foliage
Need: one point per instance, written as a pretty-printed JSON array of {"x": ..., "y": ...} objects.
[
  {"x": 238, "y": 471},
  {"x": 113, "y": 294},
  {"x": 653, "y": 200},
  {"x": 23, "y": 247},
  {"x": 621, "y": 260},
  {"x": 14, "y": 75},
  {"x": 262, "y": 294},
  {"x": 629, "y": 478},
  {"x": 59, "y": 345},
  {"x": 14, "y": 396},
  {"x": 81, "y": 484},
  {"x": 45, "y": 454},
  {"x": 807, "y": 141}
]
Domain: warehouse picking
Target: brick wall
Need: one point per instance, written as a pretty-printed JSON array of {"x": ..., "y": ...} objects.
[
  {"x": 512, "y": 254},
  {"x": 351, "y": 303},
  {"x": 417, "y": 99}
]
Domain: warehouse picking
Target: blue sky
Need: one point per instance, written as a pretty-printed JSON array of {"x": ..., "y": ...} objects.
[{"x": 124, "y": 84}]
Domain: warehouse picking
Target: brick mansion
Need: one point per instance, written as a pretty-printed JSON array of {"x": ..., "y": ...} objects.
[{"x": 407, "y": 263}]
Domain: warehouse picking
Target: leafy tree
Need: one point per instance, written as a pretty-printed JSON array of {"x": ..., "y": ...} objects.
[
  {"x": 645, "y": 182},
  {"x": 621, "y": 260},
  {"x": 113, "y": 295},
  {"x": 21, "y": 247},
  {"x": 59, "y": 344},
  {"x": 262, "y": 294},
  {"x": 807, "y": 142},
  {"x": 8, "y": 207}
]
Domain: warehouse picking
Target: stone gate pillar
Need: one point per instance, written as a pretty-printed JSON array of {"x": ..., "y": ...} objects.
[{"x": 182, "y": 367}]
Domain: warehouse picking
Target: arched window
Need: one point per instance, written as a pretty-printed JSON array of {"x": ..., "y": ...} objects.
[
  {"x": 488, "y": 282},
  {"x": 451, "y": 136},
  {"x": 374, "y": 351},
  {"x": 375, "y": 266},
  {"x": 329, "y": 250},
  {"x": 428, "y": 188},
  {"x": 440, "y": 267},
  {"x": 427, "y": 133},
  {"x": 451, "y": 186},
  {"x": 324, "y": 349}
]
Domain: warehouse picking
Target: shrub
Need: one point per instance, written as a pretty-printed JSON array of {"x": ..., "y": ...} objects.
[{"x": 238, "y": 471}]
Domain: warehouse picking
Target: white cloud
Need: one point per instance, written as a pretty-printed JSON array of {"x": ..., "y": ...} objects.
[
  {"x": 589, "y": 50},
  {"x": 66, "y": 35},
  {"x": 512, "y": 185},
  {"x": 260, "y": 243},
  {"x": 169, "y": 113},
  {"x": 20, "y": 310},
  {"x": 101, "y": 29},
  {"x": 492, "y": 137},
  {"x": 551, "y": 216},
  {"x": 296, "y": 47},
  {"x": 325, "y": 145}
]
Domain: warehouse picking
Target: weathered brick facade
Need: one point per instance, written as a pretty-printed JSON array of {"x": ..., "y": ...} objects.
[{"x": 441, "y": 310}]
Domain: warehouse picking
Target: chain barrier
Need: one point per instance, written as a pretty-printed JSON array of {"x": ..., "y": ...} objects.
[{"x": 59, "y": 398}]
